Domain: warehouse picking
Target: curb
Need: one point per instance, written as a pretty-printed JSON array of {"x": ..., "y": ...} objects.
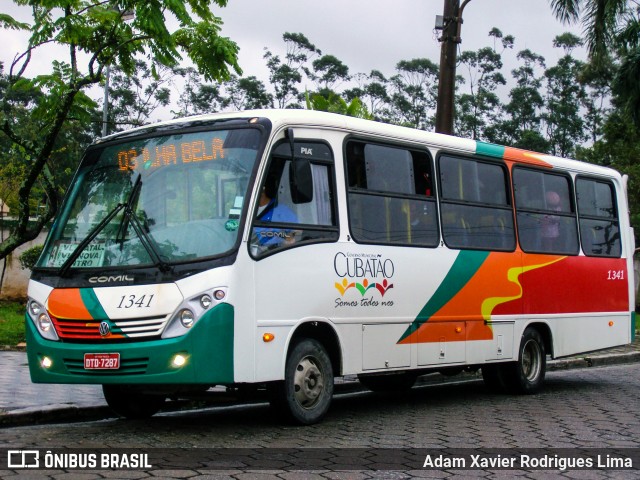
[
  {"x": 54, "y": 414},
  {"x": 58, "y": 413},
  {"x": 595, "y": 361}
]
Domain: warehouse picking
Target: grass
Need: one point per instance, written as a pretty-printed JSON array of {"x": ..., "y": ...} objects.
[{"x": 11, "y": 322}]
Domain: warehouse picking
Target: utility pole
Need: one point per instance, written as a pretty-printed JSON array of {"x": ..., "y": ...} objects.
[{"x": 450, "y": 25}]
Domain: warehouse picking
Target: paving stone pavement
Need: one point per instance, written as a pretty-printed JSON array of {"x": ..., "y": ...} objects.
[{"x": 23, "y": 402}]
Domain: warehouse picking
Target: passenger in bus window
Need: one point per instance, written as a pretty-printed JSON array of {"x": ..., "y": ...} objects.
[{"x": 551, "y": 223}]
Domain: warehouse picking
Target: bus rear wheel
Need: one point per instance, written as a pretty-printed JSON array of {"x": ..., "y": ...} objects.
[
  {"x": 131, "y": 403},
  {"x": 526, "y": 376},
  {"x": 305, "y": 394}
]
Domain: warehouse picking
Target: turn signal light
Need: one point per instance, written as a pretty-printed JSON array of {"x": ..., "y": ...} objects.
[
  {"x": 611, "y": 323},
  {"x": 268, "y": 337}
]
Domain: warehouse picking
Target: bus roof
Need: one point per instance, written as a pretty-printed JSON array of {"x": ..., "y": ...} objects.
[{"x": 312, "y": 118}]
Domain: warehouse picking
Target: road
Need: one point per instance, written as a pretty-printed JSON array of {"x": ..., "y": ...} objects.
[{"x": 596, "y": 408}]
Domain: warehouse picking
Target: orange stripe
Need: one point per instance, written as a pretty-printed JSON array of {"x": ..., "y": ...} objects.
[
  {"x": 524, "y": 156},
  {"x": 67, "y": 303}
]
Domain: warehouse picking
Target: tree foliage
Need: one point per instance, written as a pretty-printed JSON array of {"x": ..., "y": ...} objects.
[{"x": 94, "y": 33}]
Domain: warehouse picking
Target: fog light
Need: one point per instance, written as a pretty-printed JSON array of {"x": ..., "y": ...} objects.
[
  {"x": 205, "y": 301},
  {"x": 46, "y": 362},
  {"x": 219, "y": 294},
  {"x": 186, "y": 318},
  {"x": 44, "y": 322},
  {"x": 179, "y": 360}
]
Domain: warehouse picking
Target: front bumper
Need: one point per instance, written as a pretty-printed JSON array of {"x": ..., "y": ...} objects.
[{"x": 208, "y": 347}]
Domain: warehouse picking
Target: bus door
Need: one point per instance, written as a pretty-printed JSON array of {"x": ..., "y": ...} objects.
[{"x": 292, "y": 235}]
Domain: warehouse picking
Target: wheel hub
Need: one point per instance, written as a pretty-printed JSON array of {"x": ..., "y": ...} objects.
[{"x": 308, "y": 382}]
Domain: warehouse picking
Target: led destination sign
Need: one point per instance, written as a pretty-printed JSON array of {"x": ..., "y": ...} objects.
[{"x": 170, "y": 153}]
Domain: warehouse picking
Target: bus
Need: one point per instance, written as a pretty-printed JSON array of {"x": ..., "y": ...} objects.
[{"x": 279, "y": 249}]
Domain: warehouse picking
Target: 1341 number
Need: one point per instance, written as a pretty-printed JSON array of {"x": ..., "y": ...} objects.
[
  {"x": 616, "y": 275},
  {"x": 134, "y": 301}
]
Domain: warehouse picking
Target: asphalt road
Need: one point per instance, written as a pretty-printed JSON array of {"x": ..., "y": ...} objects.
[{"x": 596, "y": 409}]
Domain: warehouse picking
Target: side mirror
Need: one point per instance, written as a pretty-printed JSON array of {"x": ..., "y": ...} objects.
[{"x": 300, "y": 180}]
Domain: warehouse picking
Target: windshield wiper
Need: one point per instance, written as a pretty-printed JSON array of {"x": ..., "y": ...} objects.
[
  {"x": 124, "y": 225},
  {"x": 145, "y": 239},
  {"x": 64, "y": 269},
  {"x": 147, "y": 242},
  {"x": 68, "y": 263}
]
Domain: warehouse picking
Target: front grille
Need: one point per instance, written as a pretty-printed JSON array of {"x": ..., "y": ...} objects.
[
  {"x": 128, "y": 366},
  {"x": 89, "y": 330}
]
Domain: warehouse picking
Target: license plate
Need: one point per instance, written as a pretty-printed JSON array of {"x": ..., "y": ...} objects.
[{"x": 101, "y": 361}]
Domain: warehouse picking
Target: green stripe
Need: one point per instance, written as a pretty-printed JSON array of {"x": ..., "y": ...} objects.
[
  {"x": 490, "y": 150},
  {"x": 92, "y": 304},
  {"x": 633, "y": 326},
  {"x": 463, "y": 269}
]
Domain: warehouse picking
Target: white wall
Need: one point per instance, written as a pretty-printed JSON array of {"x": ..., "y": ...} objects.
[{"x": 15, "y": 278}]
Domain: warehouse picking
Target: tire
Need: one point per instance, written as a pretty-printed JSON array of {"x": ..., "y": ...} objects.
[
  {"x": 305, "y": 394},
  {"x": 393, "y": 382},
  {"x": 526, "y": 376},
  {"x": 131, "y": 403}
]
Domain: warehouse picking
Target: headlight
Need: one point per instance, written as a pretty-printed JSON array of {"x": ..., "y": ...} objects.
[
  {"x": 35, "y": 308},
  {"x": 41, "y": 319},
  {"x": 44, "y": 322},
  {"x": 192, "y": 309},
  {"x": 186, "y": 318},
  {"x": 205, "y": 301}
]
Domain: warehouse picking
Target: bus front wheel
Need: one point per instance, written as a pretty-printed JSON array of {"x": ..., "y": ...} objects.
[
  {"x": 130, "y": 403},
  {"x": 305, "y": 394}
]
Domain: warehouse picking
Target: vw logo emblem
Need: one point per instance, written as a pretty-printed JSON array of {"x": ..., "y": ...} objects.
[{"x": 105, "y": 329}]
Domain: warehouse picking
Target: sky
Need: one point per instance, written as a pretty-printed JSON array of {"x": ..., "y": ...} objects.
[
  {"x": 376, "y": 34},
  {"x": 364, "y": 34}
]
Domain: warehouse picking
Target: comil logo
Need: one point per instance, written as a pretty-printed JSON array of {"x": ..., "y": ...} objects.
[{"x": 23, "y": 459}]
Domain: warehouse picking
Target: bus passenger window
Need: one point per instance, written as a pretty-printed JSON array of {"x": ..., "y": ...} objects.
[
  {"x": 545, "y": 213},
  {"x": 599, "y": 225},
  {"x": 390, "y": 195},
  {"x": 475, "y": 204}
]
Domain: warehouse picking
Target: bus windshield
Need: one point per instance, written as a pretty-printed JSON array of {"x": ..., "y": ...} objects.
[{"x": 160, "y": 200}]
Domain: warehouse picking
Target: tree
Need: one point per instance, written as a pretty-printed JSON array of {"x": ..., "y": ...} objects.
[
  {"x": 329, "y": 71},
  {"x": 285, "y": 76},
  {"x": 134, "y": 97},
  {"x": 97, "y": 30},
  {"x": 415, "y": 91},
  {"x": 246, "y": 93},
  {"x": 196, "y": 97},
  {"x": 521, "y": 127},
  {"x": 565, "y": 125},
  {"x": 479, "y": 111},
  {"x": 335, "y": 104},
  {"x": 610, "y": 27},
  {"x": 373, "y": 89}
]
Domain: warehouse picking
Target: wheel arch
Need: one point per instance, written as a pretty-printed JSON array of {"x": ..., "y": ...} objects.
[
  {"x": 323, "y": 332},
  {"x": 545, "y": 332}
]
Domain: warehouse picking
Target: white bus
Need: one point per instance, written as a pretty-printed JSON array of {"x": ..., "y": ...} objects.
[{"x": 284, "y": 248}]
